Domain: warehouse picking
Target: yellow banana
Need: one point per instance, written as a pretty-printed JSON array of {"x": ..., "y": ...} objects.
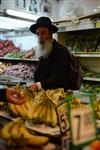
[
  {"x": 24, "y": 109},
  {"x": 43, "y": 113},
  {"x": 48, "y": 113},
  {"x": 20, "y": 111},
  {"x": 32, "y": 109},
  {"x": 33, "y": 139},
  {"x": 37, "y": 112},
  {"x": 28, "y": 104},
  {"x": 54, "y": 119},
  {"x": 6, "y": 130},
  {"x": 41, "y": 110},
  {"x": 15, "y": 134},
  {"x": 11, "y": 108},
  {"x": 27, "y": 111}
]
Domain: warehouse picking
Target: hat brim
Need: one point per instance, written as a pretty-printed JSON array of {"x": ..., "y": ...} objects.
[{"x": 52, "y": 27}]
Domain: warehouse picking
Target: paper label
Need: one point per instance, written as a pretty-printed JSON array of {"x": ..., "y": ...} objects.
[{"x": 82, "y": 125}]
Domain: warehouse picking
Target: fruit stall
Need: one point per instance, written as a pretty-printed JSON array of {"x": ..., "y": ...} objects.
[
  {"x": 53, "y": 119},
  {"x": 46, "y": 119}
]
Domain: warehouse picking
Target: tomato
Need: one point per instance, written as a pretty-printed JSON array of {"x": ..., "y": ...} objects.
[{"x": 95, "y": 145}]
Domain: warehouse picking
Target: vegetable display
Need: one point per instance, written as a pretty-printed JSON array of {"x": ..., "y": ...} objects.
[
  {"x": 24, "y": 71},
  {"x": 7, "y": 46}
]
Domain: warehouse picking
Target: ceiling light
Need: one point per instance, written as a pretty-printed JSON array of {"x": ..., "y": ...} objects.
[
  {"x": 11, "y": 23},
  {"x": 19, "y": 14}
]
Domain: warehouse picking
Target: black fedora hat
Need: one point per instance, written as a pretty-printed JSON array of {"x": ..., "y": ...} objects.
[{"x": 43, "y": 22}]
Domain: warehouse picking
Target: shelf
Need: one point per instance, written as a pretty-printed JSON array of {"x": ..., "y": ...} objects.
[
  {"x": 91, "y": 79},
  {"x": 65, "y": 29},
  {"x": 11, "y": 80},
  {"x": 19, "y": 59},
  {"x": 82, "y": 17},
  {"x": 87, "y": 55},
  {"x": 77, "y": 24}
]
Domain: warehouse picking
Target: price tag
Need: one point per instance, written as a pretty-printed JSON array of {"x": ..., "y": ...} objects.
[
  {"x": 64, "y": 125},
  {"x": 65, "y": 143},
  {"x": 83, "y": 127},
  {"x": 63, "y": 117}
]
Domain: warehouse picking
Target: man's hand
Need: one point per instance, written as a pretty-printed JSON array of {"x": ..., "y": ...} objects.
[{"x": 34, "y": 87}]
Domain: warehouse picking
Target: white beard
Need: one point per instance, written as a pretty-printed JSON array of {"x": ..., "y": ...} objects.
[{"x": 44, "y": 49}]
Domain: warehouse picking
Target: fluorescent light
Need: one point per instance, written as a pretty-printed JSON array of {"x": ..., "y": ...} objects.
[
  {"x": 10, "y": 23},
  {"x": 21, "y": 14},
  {"x": 98, "y": 7}
]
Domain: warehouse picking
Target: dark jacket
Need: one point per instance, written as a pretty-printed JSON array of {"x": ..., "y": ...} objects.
[{"x": 54, "y": 71}]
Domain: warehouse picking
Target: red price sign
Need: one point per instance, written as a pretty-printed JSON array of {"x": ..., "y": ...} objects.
[{"x": 82, "y": 125}]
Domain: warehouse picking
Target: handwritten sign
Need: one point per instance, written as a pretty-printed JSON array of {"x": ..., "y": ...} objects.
[
  {"x": 63, "y": 117},
  {"x": 65, "y": 142},
  {"x": 82, "y": 125},
  {"x": 64, "y": 125}
]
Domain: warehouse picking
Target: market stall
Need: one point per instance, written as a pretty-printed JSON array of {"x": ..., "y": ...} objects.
[{"x": 46, "y": 119}]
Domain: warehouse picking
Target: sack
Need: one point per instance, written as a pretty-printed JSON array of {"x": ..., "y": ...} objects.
[{"x": 75, "y": 75}]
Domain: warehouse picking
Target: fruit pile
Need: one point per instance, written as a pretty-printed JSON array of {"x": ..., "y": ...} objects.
[
  {"x": 16, "y": 134},
  {"x": 3, "y": 66},
  {"x": 88, "y": 73},
  {"x": 21, "y": 54},
  {"x": 39, "y": 108},
  {"x": 84, "y": 44},
  {"x": 14, "y": 54},
  {"x": 8, "y": 49},
  {"x": 29, "y": 54},
  {"x": 7, "y": 46},
  {"x": 24, "y": 71},
  {"x": 36, "y": 108}
]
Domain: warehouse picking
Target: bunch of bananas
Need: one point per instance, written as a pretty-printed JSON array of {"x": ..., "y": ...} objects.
[
  {"x": 55, "y": 95},
  {"x": 44, "y": 112},
  {"x": 21, "y": 110},
  {"x": 40, "y": 112},
  {"x": 15, "y": 132}
]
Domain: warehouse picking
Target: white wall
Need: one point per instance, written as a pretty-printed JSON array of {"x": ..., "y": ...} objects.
[
  {"x": 87, "y": 5},
  {"x": 5, "y": 4},
  {"x": 26, "y": 42}
]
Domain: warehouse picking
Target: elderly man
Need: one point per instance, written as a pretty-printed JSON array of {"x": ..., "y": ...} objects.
[{"x": 54, "y": 69}]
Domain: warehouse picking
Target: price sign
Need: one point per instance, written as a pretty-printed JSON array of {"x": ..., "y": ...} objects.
[
  {"x": 83, "y": 127},
  {"x": 65, "y": 142},
  {"x": 63, "y": 117},
  {"x": 64, "y": 125}
]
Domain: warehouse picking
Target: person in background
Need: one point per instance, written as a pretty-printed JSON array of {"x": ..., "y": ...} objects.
[{"x": 54, "y": 66}]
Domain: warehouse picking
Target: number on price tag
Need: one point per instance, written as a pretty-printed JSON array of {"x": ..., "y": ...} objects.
[
  {"x": 63, "y": 117},
  {"x": 82, "y": 125}
]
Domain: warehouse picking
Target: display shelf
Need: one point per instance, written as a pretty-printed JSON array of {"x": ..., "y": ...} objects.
[
  {"x": 19, "y": 59},
  {"x": 91, "y": 79},
  {"x": 81, "y": 27},
  {"x": 77, "y": 23},
  {"x": 11, "y": 80},
  {"x": 65, "y": 29},
  {"x": 82, "y": 17},
  {"x": 87, "y": 55}
]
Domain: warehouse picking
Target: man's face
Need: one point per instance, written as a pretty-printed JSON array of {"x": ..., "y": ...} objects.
[
  {"x": 43, "y": 34},
  {"x": 45, "y": 41}
]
